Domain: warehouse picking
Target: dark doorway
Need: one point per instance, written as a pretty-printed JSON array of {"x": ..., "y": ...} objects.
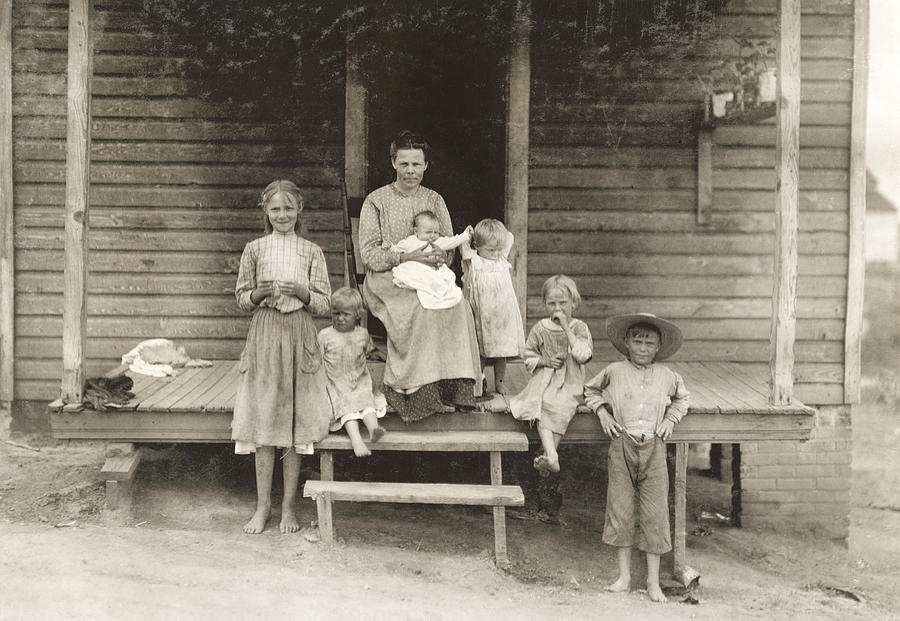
[{"x": 448, "y": 85}]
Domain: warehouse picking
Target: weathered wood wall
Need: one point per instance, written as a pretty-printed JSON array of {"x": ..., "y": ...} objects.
[
  {"x": 174, "y": 183},
  {"x": 613, "y": 198}
]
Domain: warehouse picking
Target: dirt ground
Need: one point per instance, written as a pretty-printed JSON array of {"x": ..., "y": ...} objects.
[{"x": 180, "y": 552}]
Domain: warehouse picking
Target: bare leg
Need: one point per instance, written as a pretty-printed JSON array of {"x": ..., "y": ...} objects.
[
  {"x": 653, "y": 589},
  {"x": 359, "y": 447},
  {"x": 500, "y": 375},
  {"x": 623, "y": 582},
  {"x": 550, "y": 459},
  {"x": 375, "y": 430},
  {"x": 265, "y": 464},
  {"x": 291, "y": 467}
]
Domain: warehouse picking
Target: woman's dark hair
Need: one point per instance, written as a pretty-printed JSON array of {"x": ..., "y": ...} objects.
[{"x": 409, "y": 140}]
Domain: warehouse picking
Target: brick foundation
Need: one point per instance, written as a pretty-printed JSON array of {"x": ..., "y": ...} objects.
[{"x": 801, "y": 486}]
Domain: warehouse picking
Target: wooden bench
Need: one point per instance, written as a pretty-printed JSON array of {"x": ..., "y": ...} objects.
[
  {"x": 497, "y": 495},
  {"x": 122, "y": 459}
]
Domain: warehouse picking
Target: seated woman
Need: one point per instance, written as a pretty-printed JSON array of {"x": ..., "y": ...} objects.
[{"x": 432, "y": 354}]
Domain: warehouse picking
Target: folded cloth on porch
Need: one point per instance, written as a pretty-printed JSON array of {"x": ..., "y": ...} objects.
[
  {"x": 160, "y": 357},
  {"x": 103, "y": 392}
]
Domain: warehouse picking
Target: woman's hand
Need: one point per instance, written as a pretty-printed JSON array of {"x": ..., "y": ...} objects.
[
  {"x": 263, "y": 290},
  {"x": 431, "y": 259},
  {"x": 296, "y": 289}
]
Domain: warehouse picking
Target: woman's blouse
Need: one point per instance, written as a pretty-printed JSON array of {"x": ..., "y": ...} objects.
[
  {"x": 284, "y": 257},
  {"x": 387, "y": 218}
]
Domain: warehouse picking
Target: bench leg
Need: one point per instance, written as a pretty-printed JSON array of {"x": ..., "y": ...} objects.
[
  {"x": 500, "y": 556},
  {"x": 122, "y": 459},
  {"x": 323, "y": 508},
  {"x": 681, "y": 457},
  {"x": 118, "y": 495},
  {"x": 326, "y": 466}
]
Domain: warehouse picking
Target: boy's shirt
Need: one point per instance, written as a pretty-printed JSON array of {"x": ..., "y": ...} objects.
[{"x": 640, "y": 398}]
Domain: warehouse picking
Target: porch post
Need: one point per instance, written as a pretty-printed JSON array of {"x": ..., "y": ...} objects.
[
  {"x": 787, "y": 201},
  {"x": 78, "y": 172},
  {"x": 517, "y": 127},
  {"x": 856, "y": 268},
  {"x": 7, "y": 223},
  {"x": 356, "y": 139}
]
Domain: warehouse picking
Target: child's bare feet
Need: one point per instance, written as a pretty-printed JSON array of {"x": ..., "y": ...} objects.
[
  {"x": 359, "y": 447},
  {"x": 289, "y": 523},
  {"x": 656, "y": 593},
  {"x": 621, "y": 585},
  {"x": 545, "y": 463},
  {"x": 376, "y": 433},
  {"x": 257, "y": 523}
]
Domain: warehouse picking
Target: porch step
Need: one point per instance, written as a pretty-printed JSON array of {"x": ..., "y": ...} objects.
[
  {"x": 434, "y": 441},
  {"x": 418, "y": 493}
]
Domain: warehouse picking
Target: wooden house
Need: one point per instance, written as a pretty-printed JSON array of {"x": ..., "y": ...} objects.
[{"x": 127, "y": 197}]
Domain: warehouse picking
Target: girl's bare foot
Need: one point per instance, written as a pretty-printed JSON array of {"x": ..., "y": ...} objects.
[
  {"x": 621, "y": 585},
  {"x": 376, "y": 433},
  {"x": 553, "y": 463},
  {"x": 541, "y": 464},
  {"x": 656, "y": 593},
  {"x": 257, "y": 523},
  {"x": 289, "y": 523},
  {"x": 359, "y": 447}
]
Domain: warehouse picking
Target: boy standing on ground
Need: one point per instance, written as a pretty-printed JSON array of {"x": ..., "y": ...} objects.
[{"x": 639, "y": 402}]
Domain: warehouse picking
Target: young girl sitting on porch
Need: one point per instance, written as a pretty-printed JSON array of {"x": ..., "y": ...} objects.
[
  {"x": 344, "y": 348},
  {"x": 556, "y": 351},
  {"x": 281, "y": 395},
  {"x": 488, "y": 287}
]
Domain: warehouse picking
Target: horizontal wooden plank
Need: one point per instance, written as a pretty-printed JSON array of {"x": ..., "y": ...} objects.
[
  {"x": 140, "y": 328},
  {"x": 28, "y": 194},
  {"x": 811, "y": 24},
  {"x": 121, "y": 467},
  {"x": 768, "y": 7},
  {"x": 301, "y": 130},
  {"x": 124, "y": 239},
  {"x": 655, "y": 200},
  {"x": 607, "y": 220},
  {"x": 145, "y": 86},
  {"x": 547, "y": 263},
  {"x": 701, "y": 286},
  {"x": 101, "y": 305},
  {"x": 135, "y": 218},
  {"x": 623, "y": 134},
  {"x": 111, "y": 348},
  {"x": 421, "y": 493},
  {"x": 153, "y": 262},
  {"x": 761, "y": 179},
  {"x": 183, "y": 174},
  {"x": 28, "y": 36},
  {"x": 54, "y": 61},
  {"x": 603, "y": 156},
  {"x": 729, "y": 351},
  {"x": 726, "y": 156},
  {"x": 55, "y": 16},
  {"x": 138, "y": 284},
  {"x": 682, "y": 308},
  {"x": 686, "y": 243},
  {"x": 54, "y": 149},
  {"x": 435, "y": 441},
  {"x": 764, "y": 135}
]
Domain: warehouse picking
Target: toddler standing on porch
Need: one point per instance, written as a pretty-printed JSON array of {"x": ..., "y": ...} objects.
[
  {"x": 639, "y": 402},
  {"x": 281, "y": 396}
]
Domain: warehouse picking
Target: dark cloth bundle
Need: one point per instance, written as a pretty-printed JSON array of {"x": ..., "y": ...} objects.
[{"x": 101, "y": 392}]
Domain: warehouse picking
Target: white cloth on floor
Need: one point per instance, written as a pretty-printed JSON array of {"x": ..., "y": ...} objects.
[{"x": 159, "y": 358}]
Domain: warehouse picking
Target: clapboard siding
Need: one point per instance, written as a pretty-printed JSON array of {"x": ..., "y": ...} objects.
[
  {"x": 174, "y": 182},
  {"x": 613, "y": 191}
]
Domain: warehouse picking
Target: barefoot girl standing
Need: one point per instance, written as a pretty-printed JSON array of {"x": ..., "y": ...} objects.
[{"x": 281, "y": 396}]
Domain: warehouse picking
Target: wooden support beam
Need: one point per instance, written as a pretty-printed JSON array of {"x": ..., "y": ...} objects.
[
  {"x": 680, "y": 539},
  {"x": 517, "y": 128},
  {"x": 326, "y": 465},
  {"x": 7, "y": 221},
  {"x": 78, "y": 174},
  {"x": 787, "y": 204},
  {"x": 500, "y": 556},
  {"x": 704, "y": 175},
  {"x": 324, "y": 506},
  {"x": 856, "y": 260},
  {"x": 356, "y": 138}
]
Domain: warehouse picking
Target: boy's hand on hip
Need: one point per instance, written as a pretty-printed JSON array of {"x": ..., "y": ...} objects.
[
  {"x": 665, "y": 429},
  {"x": 610, "y": 426}
]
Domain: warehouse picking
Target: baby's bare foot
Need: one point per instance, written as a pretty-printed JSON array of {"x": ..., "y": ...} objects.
[
  {"x": 257, "y": 523},
  {"x": 289, "y": 523},
  {"x": 620, "y": 586},
  {"x": 359, "y": 448},
  {"x": 656, "y": 593},
  {"x": 376, "y": 433}
]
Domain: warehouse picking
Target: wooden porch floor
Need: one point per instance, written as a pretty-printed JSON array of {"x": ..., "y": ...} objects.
[{"x": 729, "y": 403}]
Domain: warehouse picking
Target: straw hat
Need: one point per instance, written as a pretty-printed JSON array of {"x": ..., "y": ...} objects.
[{"x": 670, "y": 334}]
